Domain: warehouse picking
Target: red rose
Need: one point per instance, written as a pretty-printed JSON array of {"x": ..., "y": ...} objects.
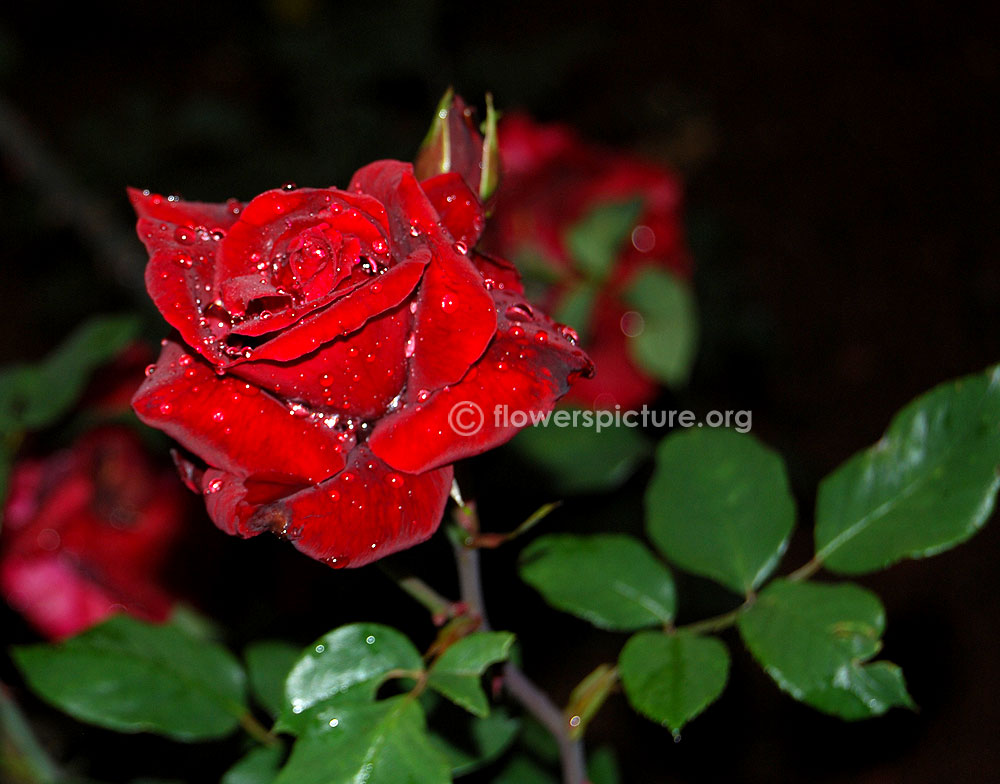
[
  {"x": 86, "y": 532},
  {"x": 324, "y": 338},
  {"x": 551, "y": 180}
]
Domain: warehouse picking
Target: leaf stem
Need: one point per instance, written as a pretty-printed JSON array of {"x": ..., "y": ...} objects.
[
  {"x": 439, "y": 607},
  {"x": 807, "y": 570},
  {"x": 258, "y": 731},
  {"x": 718, "y": 622},
  {"x": 517, "y": 684}
]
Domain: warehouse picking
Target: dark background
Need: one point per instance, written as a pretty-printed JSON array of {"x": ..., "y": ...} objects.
[{"x": 842, "y": 187}]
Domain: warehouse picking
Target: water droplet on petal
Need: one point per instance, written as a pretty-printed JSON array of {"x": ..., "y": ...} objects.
[
  {"x": 569, "y": 333},
  {"x": 213, "y": 487},
  {"x": 150, "y": 370},
  {"x": 166, "y": 408},
  {"x": 184, "y": 235},
  {"x": 461, "y": 247},
  {"x": 520, "y": 312},
  {"x": 448, "y": 304}
]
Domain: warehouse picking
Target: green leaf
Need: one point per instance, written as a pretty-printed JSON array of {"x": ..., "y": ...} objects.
[
  {"x": 260, "y": 766},
  {"x": 719, "y": 505},
  {"x": 611, "y": 580},
  {"x": 595, "y": 241},
  {"x": 477, "y": 743},
  {"x": 576, "y": 307},
  {"x": 457, "y": 672},
  {"x": 524, "y": 770},
  {"x": 132, "y": 676},
  {"x": 927, "y": 485},
  {"x": 580, "y": 457},
  {"x": 814, "y": 640},
  {"x": 664, "y": 340},
  {"x": 268, "y": 665},
  {"x": 588, "y": 696},
  {"x": 37, "y": 395},
  {"x": 347, "y": 664},
  {"x": 602, "y": 767},
  {"x": 376, "y": 743},
  {"x": 22, "y": 757},
  {"x": 671, "y": 678}
]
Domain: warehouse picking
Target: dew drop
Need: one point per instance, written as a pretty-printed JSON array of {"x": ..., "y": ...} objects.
[
  {"x": 334, "y": 722},
  {"x": 184, "y": 235},
  {"x": 218, "y": 416},
  {"x": 184, "y": 260},
  {"x": 569, "y": 334},
  {"x": 370, "y": 639},
  {"x": 213, "y": 487},
  {"x": 320, "y": 648},
  {"x": 394, "y": 479},
  {"x": 520, "y": 312},
  {"x": 150, "y": 370},
  {"x": 165, "y": 408},
  {"x": 461, "y": 247},
  {"x": 448, "y": 304}
]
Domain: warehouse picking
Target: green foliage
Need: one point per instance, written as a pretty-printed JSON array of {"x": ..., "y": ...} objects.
[
  {"x": 33, "y": 396},
  {"x": 346, "y": 665},
  {"x": 611, "y": 580},
  {"x": 476, "y": 741},
  {"x": 719, "y": 506},
  {"x": 382, "y": 742},
  {"x": 927, "y": 485},
  {"x": 602, "y": 767},
  {"x": 671, "y": 678},
  {"x": 522, "y": 769},
  {"x": 259, "y": 766},
  {"x": 457, "y": 672},
  {"x": 576, "y": 308},
  {"x": 815, "y": 640},
  {"x": 583, "y": 459},
  {"x": 595, "y": 241},
  {"x": 665, "y": 343},
  {"x": 268, "y": 664},
  {"x": 132, "y": 676}
]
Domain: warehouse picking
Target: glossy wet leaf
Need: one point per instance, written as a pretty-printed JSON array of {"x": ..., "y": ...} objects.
[
  {"x": 475, "y": 742},
  {"x": 259, "y": 766},
  {"x": 671, "y": 678},
  {"x": 719, "y": 505},
  {"x": 927, "y": 485},
  {"x": 815, "y": 641},
  {"x": 664, "y": 342},
  {"x": 611, "y": 580},
  {"x": 377, "y": 743},
  {"x": 577, "y": 457},
  {"x": 457, "y": 673},
  {"x": 132, "y": 676},
  {"x": 348, "y": 665},
  {"x": 595, "y": 241},
  {"x": 32, "y": 396},
  {"x": 268, "y": 665}
]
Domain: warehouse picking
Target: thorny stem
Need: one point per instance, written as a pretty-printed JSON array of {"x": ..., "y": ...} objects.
[{"x": 518, "y": 685}]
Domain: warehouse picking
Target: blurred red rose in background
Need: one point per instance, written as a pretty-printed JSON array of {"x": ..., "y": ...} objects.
[
  {"x": 552, "y": 181},
  {"x": 86, "y": 533},
  {"x": 337, "y": 351}
]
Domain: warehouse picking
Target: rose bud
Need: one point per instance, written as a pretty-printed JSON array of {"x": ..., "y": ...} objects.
[
  {"x": 323, "y": 339},
  {"x": 86, "y": 532},
  {"x": 552, "y": 181}
]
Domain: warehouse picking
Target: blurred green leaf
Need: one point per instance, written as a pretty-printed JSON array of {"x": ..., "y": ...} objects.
[
  {"x": 664, "y": 340},
  {"x": 348, "y": 665},
  {"x": 260, "y": 766},
  {"x": 268, "y": 665},
  {"x": 611, "y": 580},
  {"x": 602, "y": 767},
  {"x": 588, "y": 696},
  {"x": 583, "y": 459},
  {"x": 377, "y": 743},
  {"x": 457, "y": 672},
  {"x": 523, "y": 770},
  {"x": 814, "y": 640},
  {"x": 671, "y": 678},
  {"x": 476, "y": 742},
  {"x": 595, "y": 241},
  {"x": 719, "y": 505},
  {"x": 22, "y": 757},
  {"x": 576, "y": 307},
  {"x": 927, "y": 485},
  {"x": 36, "y": 395},
  {"x": 132, "y": 676}
]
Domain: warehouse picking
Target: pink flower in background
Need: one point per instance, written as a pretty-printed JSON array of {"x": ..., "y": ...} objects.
[
  {"x": 552, "y": 180},
  {"x": 86, "y": 533}
]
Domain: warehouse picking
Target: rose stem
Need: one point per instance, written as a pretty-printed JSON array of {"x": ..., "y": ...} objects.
[{"x": 518, "y": 685}]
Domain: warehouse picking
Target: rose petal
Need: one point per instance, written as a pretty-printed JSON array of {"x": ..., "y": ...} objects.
[
  {"x": 498, "y": 273},
  {"x": 357, "y": 377},
  {"x": 184, "y": 213},
  {"x": 459, "y": 209},
  {"x": 231, "y": 424},
  {"x": 347, "y": 314},
  {"x": 530, "y": 364},
  {"x": 364, "y": 513}
]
